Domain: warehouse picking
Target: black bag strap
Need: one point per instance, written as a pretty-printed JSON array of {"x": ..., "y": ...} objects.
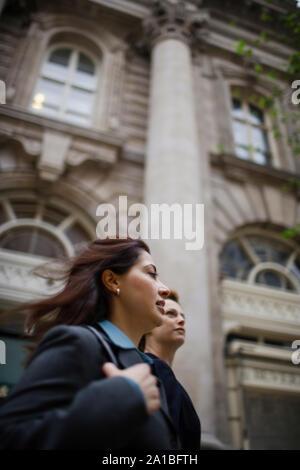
[{"x": 103, "y": 341}]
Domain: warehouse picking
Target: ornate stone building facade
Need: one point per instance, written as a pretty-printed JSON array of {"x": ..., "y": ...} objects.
[{"x": 150, "y": 100}]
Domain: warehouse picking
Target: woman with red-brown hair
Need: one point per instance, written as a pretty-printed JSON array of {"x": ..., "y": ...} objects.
[{"x": 86, "y": 385}]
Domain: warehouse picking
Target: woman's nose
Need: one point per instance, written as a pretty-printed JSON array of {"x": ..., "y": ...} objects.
[
  {"x": 164, "y": 291},
  {"x": 181, "y": 320}
]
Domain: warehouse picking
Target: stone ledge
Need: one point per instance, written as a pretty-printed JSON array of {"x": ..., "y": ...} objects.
[
  {"x": 125, "y": 6},
  {"x": 239, "y": 170},
  {"x": 21, "y": 114}
]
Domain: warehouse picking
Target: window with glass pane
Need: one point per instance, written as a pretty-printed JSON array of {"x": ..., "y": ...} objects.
[
  {"x": 66, "y": 87},
  {"x": 296, "y": 268},
  {"x": 250, "y": 132},
  {"x": 269, "y": 250},
  {"x": 240, "y": 256},
  {"x": 31, "y": 240},
  {"x": 31, "y": 233},
  {"x": 234, "y": 261},
  {"x": 274, "y": 279}
]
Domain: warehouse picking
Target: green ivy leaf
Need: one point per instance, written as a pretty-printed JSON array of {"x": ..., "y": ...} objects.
[
  {"x": 240, "y": 46},
  {"x": 274, "y": 112},
  {"x": 264, "y": 35},
  {"x": 296, "y": 152},
  {"x": 289, "y": 233},
  {"x": 276, "y": 133},
  {"x": 262, "y": 101},
  {"x": 266, "y": 17},
  {"x": 272, "y": 74},
  {"x": 286, "y": 187},
  {"x": 253, "y": 98},
  {"x": 236, "y": 93}
]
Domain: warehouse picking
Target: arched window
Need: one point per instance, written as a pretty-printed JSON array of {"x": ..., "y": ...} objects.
[
  {"x": 250, "y": 131},
  {"x": 67, "y": 86},
  {"x": 39, "y": 229},
  {"x": 264, "y": 260},
  {"x": 32, "y": 240}
]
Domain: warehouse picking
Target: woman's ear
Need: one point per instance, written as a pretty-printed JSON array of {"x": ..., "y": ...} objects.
[{"x": 110, "y": 280}]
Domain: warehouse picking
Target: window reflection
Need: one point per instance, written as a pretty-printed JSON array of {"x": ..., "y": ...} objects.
[
  {"x": 80, "y": 102},
  {"x": 256, "y": 115},
  {"x": 51, "y": 93},
  {"x": 27, "y": 237},
  {"x": 239, "y": 256},
  {"x": 274, "y": 279},
  {"x": 237, "y": 110},
  {"x": 240, "y": 133},
  {"x": 234, "y": 261},
  {"x": 33, "y": 241},
  {"x": 66, "y": 88},
  {"x": 57, "y": 65},
  {"x": 250, "y": 132}
]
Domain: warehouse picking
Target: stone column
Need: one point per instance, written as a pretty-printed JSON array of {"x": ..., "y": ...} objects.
[{"x": 173, "y": 176}]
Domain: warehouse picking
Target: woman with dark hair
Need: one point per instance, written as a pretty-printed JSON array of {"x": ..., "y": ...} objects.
[
  {"x": 161, "y": 345},
  {"x": 86, "y": 385}
]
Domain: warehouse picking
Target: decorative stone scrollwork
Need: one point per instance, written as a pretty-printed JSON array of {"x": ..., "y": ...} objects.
[
  {"x": 175, "y": 19},
  {"x": 18, "y": 280},
  {"x": 82, "y": 151},
  {"x": 31, "y": 145},
  {"x": 242, "y": 302},
  {"x": 268, "y": 378}
]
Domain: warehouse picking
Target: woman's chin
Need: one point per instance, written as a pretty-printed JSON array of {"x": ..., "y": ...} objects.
[
  {"x": 179, "y": 339},
  {"x": 155, "y": 320}
]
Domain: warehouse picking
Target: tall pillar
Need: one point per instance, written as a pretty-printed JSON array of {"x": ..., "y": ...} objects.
[{"x": 172, "y": 175}]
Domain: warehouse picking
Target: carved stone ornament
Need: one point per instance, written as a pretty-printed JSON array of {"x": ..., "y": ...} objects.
[
  {"x": 244, "y": 301},
  {"x": 81, "y": 152},
  {"x": 175, "y": 19}
]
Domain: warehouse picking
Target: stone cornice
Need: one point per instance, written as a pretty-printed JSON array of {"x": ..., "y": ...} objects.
[
  {"x": 75, "y": 131},
  {"x": 206, "y": 25},
  {"x": 125, "y": 6},
  {"x": 242, "y": 347},
  {"x": 55, "y": 145},
  {"x": 223, "y": 28},
  {"x": 264, "y": 374},
  {"x": 240, "y": 170},
  {"x": 140, "y": 8}
]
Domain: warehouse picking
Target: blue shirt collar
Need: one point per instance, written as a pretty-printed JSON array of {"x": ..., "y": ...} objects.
[{"x": 121, "y": 340}]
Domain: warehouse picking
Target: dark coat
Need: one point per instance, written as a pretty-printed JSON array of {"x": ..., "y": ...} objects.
[
  {"x": 181, "y": 408},
  {"x": 64, "y": 401}
]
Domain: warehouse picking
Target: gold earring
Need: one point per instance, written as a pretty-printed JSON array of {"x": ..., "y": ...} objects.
[{"x": 118, "y": 291}]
